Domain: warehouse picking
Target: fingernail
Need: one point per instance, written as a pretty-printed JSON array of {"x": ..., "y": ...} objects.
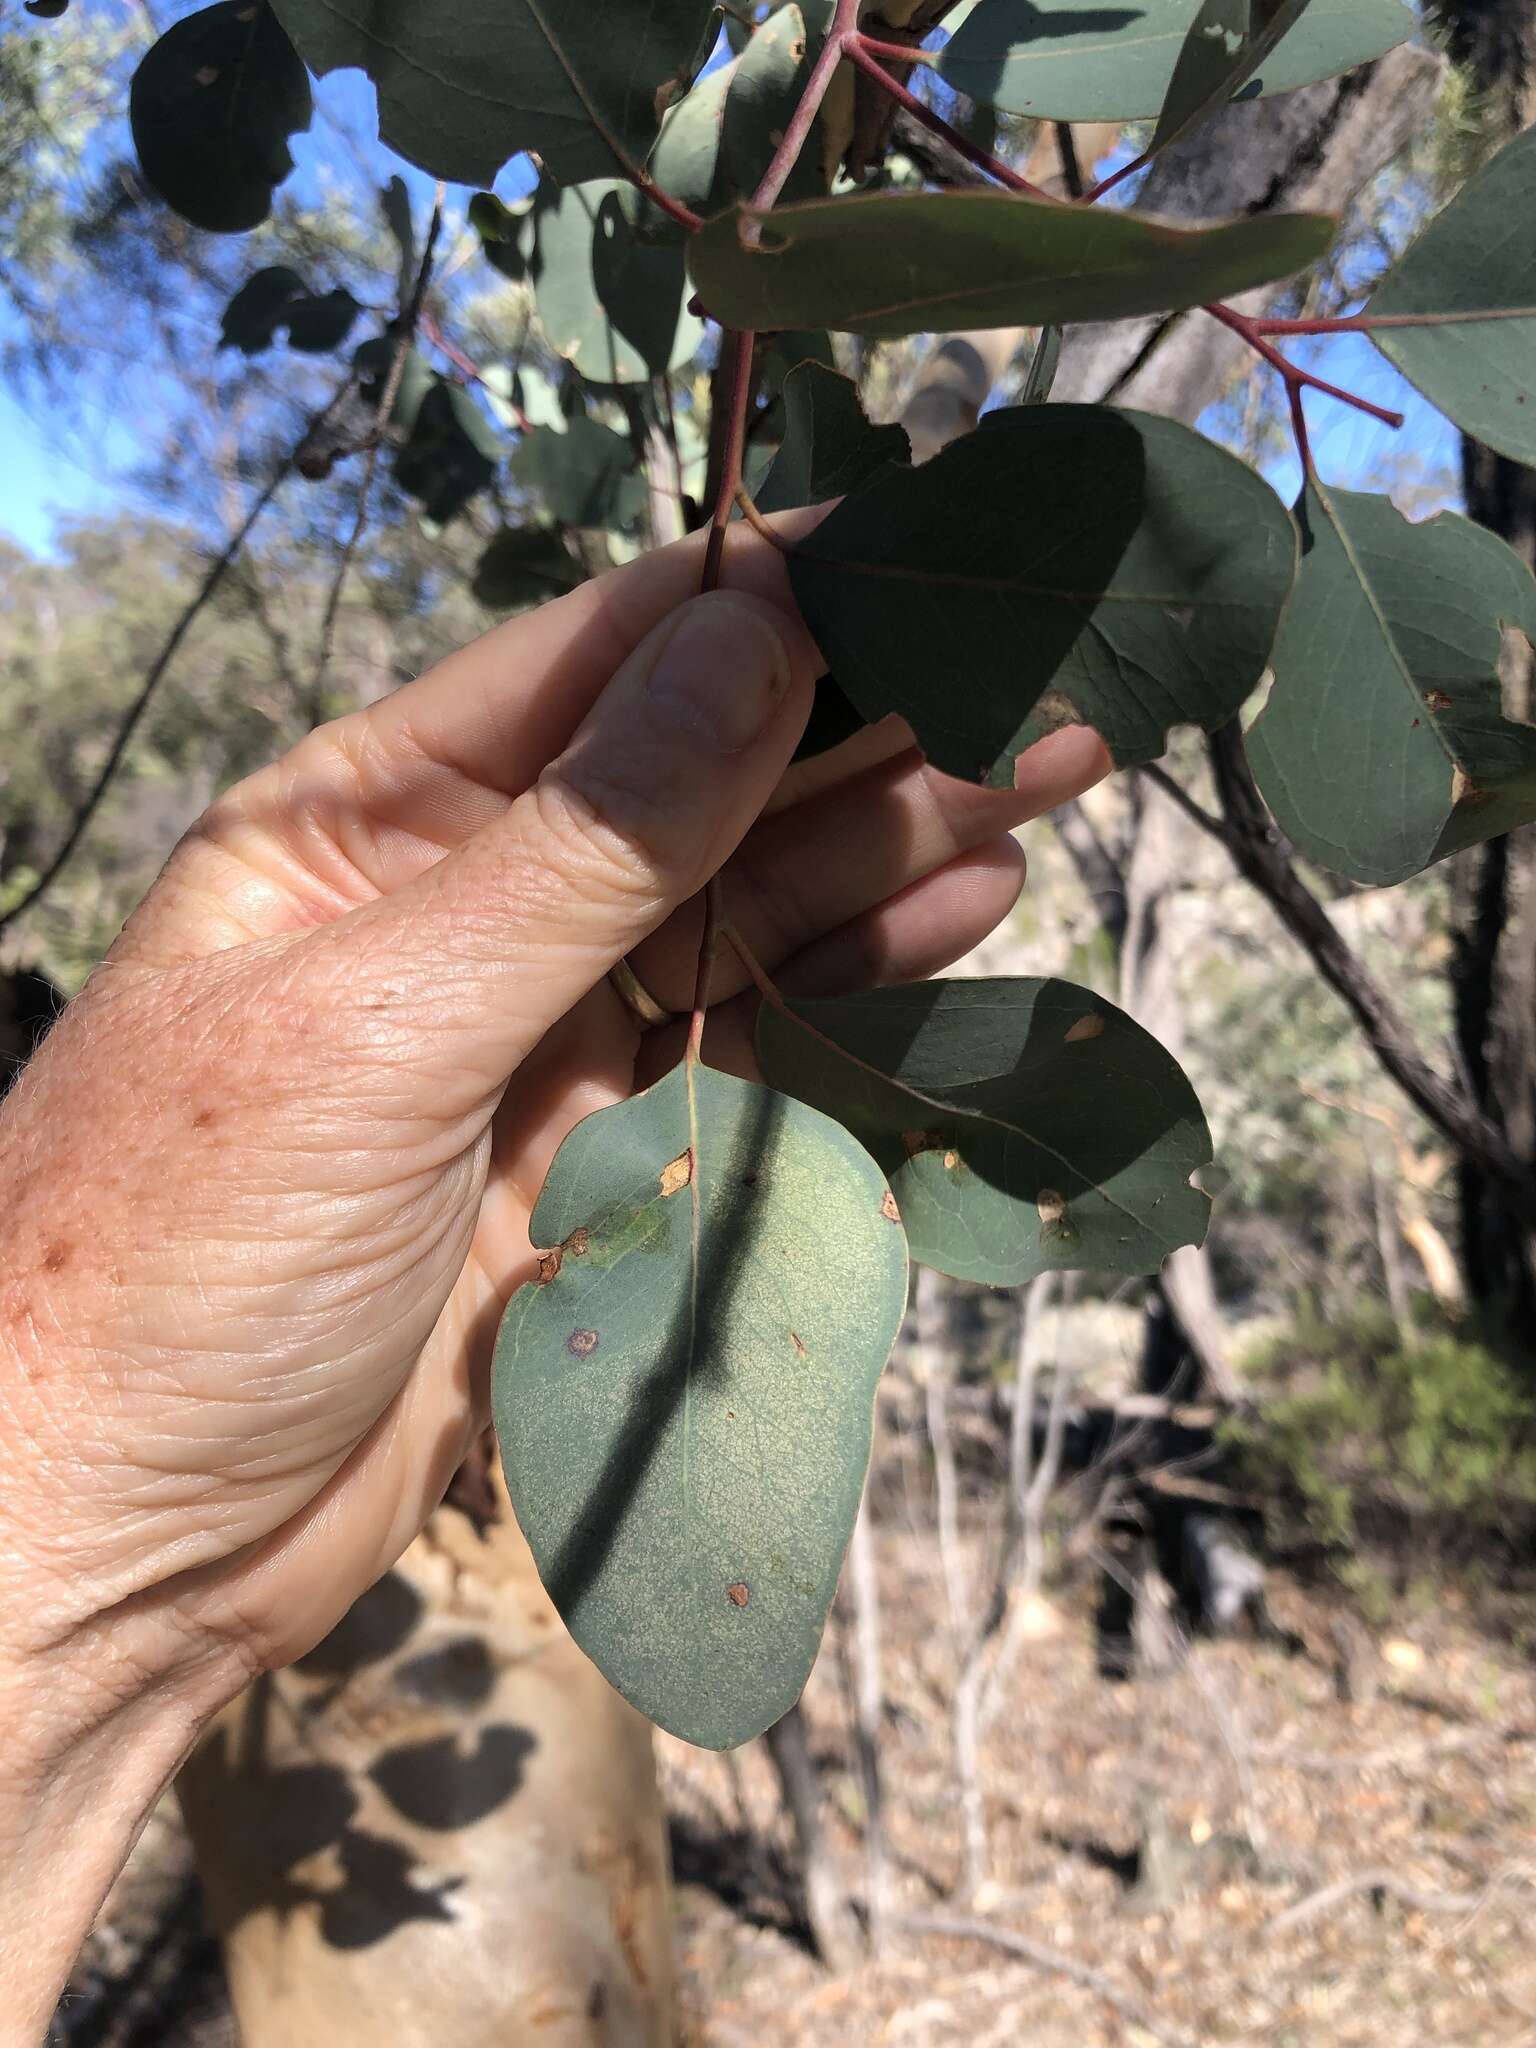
[{"x": 721, "y": 674}]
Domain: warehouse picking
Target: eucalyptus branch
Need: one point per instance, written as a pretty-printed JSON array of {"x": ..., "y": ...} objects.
[
  {"x": 1246, "y": 831},
  {"x": 410, "y": 319},
  {"x": 844, "y": 29},
  {"x": 133, "y": 717}
]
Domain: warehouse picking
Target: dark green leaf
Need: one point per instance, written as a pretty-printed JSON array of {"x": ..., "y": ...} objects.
[
  {"x": 451, "y": 453},
  {"x": 1097, "y": 60},
  {"x": 833, "y": 719},
  {"x": 1063, "y": 563},
  {"x": 260, "y": 307},
  {"x": 717, "y": 141},
  {"x": 684, "y": 1401},
  {"x": 212, "y": 106},
  {"x": 584, "y": 476},
  {"x": 524, "y": 566},
  {"x": 466, "y": 84},
  {"x": 1224, "y": 46},
  {"x": 317, "y": 324},
  {"x": 1473, "y": 273},
  {"x": 417, "y": 377},
  {"x": 1383, "y": 746},
  {"x": 829, "y": 447},
  {"x": 610, "y": 302},
  {"x": 395, "y": 204},
  {"x": 500, "y": 229},
  {"x": 1043, "y": 365},
  {"x": 905, "y": 263},
  {"x": 1026, "y": 1126},
  {"x": 47, "y": 10}
]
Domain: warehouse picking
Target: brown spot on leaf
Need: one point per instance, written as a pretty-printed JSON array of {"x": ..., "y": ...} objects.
[
  {"x": 951, "y": 1161},
  {"x": 1437, "y": 700},
  {"x": 549, "y": 1265},
  {"x": 1091, "y": 1026},
  {"x": 795, "y": 1339},
  {"x": 1052, "y": 1205},
  {"x": 738, "y": 1594},
  {"x": 578, "y": 1242},
  {"x": 677, "y": 1172},
  {"x": 888, "y": 1208},
  {"x": 581, "y": 1343},
  {"x": 207, "y": 74}
]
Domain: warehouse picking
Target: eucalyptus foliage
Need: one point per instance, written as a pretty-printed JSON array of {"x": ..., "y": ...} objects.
[{"x": 684, "y": 1395}]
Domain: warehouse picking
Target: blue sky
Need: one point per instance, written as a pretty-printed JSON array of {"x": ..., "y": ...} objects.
[{"x": 83, "y": 466}]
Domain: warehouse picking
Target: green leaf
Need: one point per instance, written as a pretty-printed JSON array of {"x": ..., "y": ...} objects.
[
  {"x": 1226, "y": 43},
  {"x": 319, "y": 322},
  {"x": 451, "y": 454},
  {"x": 584, "y": 476},
  {"x": 716, "y": 143},
  {"x": 1027, "y": 1126},
  {"x": 1094, "y": 60},
  {"x": 465, "y": 84},
  {"x": 253, "y": 316},
  {"x": 684, "y": 1401},
  {"x": 212, "y": 106},
  {"x": 829, "y": 447},
  {"x": 1061, "y": 564},
  {"x": 609, "y": 301},
  {"x": 906, "y": 263},
  {"x": 1383, "y": 747},
  {"x": 395, "y": 205},
  {"x": 47, "y": 10},
  {"x": 524, "y": 566},
  {"x": 833, "y": 719},
  {"x": 1471, "y": 278},
  {"x": 1043, "y": 365}
]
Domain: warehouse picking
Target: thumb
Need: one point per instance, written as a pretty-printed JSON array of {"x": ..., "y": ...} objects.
[{"x": 498, "y": 941}]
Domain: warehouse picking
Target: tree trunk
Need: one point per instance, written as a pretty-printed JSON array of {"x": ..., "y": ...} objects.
[
  {"x": 1493, "y": 888},
  {"x": 441, "y": 1826}
]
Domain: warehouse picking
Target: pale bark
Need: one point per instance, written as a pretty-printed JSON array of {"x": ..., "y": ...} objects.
[{"x": 441, "y": 1827}]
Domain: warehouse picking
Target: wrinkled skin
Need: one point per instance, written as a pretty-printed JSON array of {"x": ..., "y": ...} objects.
[{"x": 266, "y": 1189}]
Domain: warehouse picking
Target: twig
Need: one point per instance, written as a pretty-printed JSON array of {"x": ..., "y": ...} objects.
[
  {"x": 860, "y": 51},
  {"x": 410, "y": 316},
  {"x": 134, "y": 716},
  {"x": 960, "y": 1928},
  {"x": 1416, "y": 1898},
  {"x": 1244, "y": 828},
  {"x": 736, "y": 398},
  {"x": 845, "y": 21}
]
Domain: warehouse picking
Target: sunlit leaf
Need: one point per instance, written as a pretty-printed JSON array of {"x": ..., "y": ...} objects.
[
  {"x": 609, "y": 301},
  {"x": 905, "y": 263},
  {"x": 1383, "y": 746},
  {"x": 1471, "y": 279},
  {"x": 1026, "y": 1126},
  {"x": 465, "y": 84},
  {"x": 716, "y": 143},
  {"x": 684, "y": 1400},
  {"x": 1061, "y": 564},
  {"x": 1227, "y": 42},
  {"x": 1101, "y": 60},
  {"x": 583, "y": 476},
  {"x": 212, "y": 105}
]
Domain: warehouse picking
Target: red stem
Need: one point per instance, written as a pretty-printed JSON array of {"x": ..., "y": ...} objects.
[
  {"x": 860, "y": 51},
  {"x": 673, "y": 208},
  {"x": 845, "y": 25},
  {"x": 1137, "y": 163},
  {"x": 738, "y": 397},
  {"x": 1295, "y": 377}
]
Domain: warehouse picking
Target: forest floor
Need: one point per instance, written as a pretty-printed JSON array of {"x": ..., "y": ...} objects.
[
  {"x": 1239, "y": 1856},
  {"x": 1226, "y": 1850}
]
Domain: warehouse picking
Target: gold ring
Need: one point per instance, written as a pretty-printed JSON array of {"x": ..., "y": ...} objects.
[{"x": 637, "y": 998}]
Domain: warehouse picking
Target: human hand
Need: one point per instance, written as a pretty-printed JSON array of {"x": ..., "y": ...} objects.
[{"x": 267, "y": 1186}]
